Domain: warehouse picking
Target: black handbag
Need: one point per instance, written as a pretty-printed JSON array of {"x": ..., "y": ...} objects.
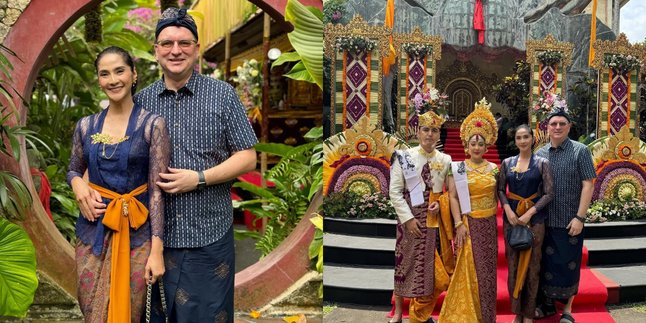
[
  {"x": 520, "y": 237},
  {"x": 149, "y": 298}
]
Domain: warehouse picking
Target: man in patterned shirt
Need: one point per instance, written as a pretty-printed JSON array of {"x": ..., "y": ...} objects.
[
  {"x": 573, "y": 172},
  {"x": 212, "y": 143}
]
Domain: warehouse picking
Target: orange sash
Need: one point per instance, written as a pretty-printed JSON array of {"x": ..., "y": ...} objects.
[
  {"x": 524, "y": 204},
  {"x": 134, "y": 214}
]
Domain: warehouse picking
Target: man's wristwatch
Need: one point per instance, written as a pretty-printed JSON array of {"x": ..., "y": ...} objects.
[
  {"x": 201, "y": 180},
  {"x": 580, "y": 218}
]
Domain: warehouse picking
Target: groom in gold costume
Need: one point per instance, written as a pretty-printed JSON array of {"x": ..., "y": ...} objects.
[{"x": 422, "y": 266}]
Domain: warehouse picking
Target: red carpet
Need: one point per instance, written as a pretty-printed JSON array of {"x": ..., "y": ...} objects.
[{"x": 589, "y": 304}]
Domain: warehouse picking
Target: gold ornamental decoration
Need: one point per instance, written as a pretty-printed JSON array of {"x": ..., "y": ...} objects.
[
  {"x": 549, "y": 43},
  {"x": 357, "y": 27},
  {"x": 418, "y": 37},
  {"x": 624, "y": 146},
  {"x": 621, "y": 46}
]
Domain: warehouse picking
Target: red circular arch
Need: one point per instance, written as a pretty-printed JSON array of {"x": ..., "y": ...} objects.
[{"x": 32, "y": 37}]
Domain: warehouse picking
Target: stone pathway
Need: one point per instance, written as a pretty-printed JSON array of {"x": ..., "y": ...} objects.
[{"x": 630, "y": 313}]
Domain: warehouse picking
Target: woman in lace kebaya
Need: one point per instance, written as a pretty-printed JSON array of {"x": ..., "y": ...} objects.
[
  {"x": 120, "y": 233},
  {"x": 530, "y": 183}
]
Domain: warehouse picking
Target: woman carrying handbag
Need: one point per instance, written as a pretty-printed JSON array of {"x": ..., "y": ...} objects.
[{"x": 529, "y": 181}]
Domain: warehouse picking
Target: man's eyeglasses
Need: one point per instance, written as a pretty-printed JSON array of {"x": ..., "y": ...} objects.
[
  {"x": 183, "y": 44},
  {"x": 555, "y": 124}
]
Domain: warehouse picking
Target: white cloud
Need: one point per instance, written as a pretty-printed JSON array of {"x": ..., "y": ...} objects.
[{"x": 632, "y": 21}]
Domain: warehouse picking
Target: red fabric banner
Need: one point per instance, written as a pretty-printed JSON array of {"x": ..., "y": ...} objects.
[{"x": 478, "y": 21}]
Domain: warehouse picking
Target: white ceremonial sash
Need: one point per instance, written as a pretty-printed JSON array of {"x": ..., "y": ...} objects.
[
  {"x": 462, "y": 186},
  {"x": 412, "y": 179}
]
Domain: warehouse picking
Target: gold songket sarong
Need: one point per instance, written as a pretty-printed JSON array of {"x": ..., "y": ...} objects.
[{"x": 462, "y": 301}]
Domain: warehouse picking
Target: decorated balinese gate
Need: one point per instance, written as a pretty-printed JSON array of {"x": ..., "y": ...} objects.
[
  {"x": 618, "y": 63},
  {"x": 356, "y": 51},
  {"x": 549, "y": 60},
  {"x": 418, "y": 54},
  {"x": 619, "y": 155}
]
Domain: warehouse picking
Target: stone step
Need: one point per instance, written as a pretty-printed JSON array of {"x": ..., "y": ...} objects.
[
  {"x": 386, "y": 228},
  {"x": 627, "y": 282},
  {"x": 616, "y": 229},
  {"x": 616, "y": 251},
  {"x": 361, "y": 227},
  {"x": 357, "y": 285},
  {"x": 357, "y": 250}
]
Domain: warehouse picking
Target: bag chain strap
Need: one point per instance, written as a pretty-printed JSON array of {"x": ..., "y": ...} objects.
[{"x": 149, "y": 291}]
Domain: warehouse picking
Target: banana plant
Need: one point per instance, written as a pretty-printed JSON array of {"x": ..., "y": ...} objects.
[
  {"x": 18, "y": 280},
  {"x": 307, "y": 40}
]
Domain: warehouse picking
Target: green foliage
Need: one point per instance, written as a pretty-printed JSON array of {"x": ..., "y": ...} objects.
[
  {"x": 307, "y": 40},
  {"x": 15, "y": 198},
  {"x": 18, "y": 281},
  {"x": 583, "y": 111},
  {"x": 334, "y": 11},
  {"x": 295, "y": 182},
  {"x": 316, "y": 247},
  {"x": 514, "y": 92}
]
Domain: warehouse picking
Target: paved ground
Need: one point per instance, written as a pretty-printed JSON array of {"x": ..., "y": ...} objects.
[
  {"x": 630, "y": 313},
  {"x": 238, "y": 319}
]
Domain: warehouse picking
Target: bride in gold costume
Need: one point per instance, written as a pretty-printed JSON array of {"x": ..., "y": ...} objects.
[{"x": 472, "y": 190}]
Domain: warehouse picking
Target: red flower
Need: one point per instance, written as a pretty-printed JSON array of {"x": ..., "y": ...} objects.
[{"x": 478, "y": 124}]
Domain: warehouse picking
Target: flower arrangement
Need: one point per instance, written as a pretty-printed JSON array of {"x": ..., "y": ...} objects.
[
  {"x": 621, "y": 63},
  {"x": 334, "y": 11},
  {"x": 417, "y": 50},
  {"x": 355, "y": 44},
  {"x": 249, "y": 87},
  {"x": 613, "y": 210},
  {"x": 547, "y": 103},
  {"x": 550, "y": 57},
  {"x": 430, "y": 99},
  {"x": 348, "y": 204}
]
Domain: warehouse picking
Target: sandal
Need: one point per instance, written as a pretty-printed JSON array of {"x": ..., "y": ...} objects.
[
  {"x": 566, "y": 318},
  {"x": 544, "y": 310}
]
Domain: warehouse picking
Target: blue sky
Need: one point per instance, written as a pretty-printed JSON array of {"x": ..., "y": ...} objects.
[{"x": 633, "y": 20}]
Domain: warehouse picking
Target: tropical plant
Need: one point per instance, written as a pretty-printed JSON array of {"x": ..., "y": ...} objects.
[
  {"x": 316, "y": 247},
  {"x": 296, "y": 177},
  {"x": 514, "y": 93},
  {"x": 583, "y": 111},
  {"x": 18, "y": 280},
  {"x": 307, "y": 40}
]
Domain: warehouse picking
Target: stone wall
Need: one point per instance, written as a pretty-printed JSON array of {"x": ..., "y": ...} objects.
[{"x": 10, "y": 10}]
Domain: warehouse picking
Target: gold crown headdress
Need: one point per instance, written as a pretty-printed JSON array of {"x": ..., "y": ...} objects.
[
  {"x": 480, "y": 122},
  {"x": 429, "y": 105},
  {"x": 430, "y": 119}
]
